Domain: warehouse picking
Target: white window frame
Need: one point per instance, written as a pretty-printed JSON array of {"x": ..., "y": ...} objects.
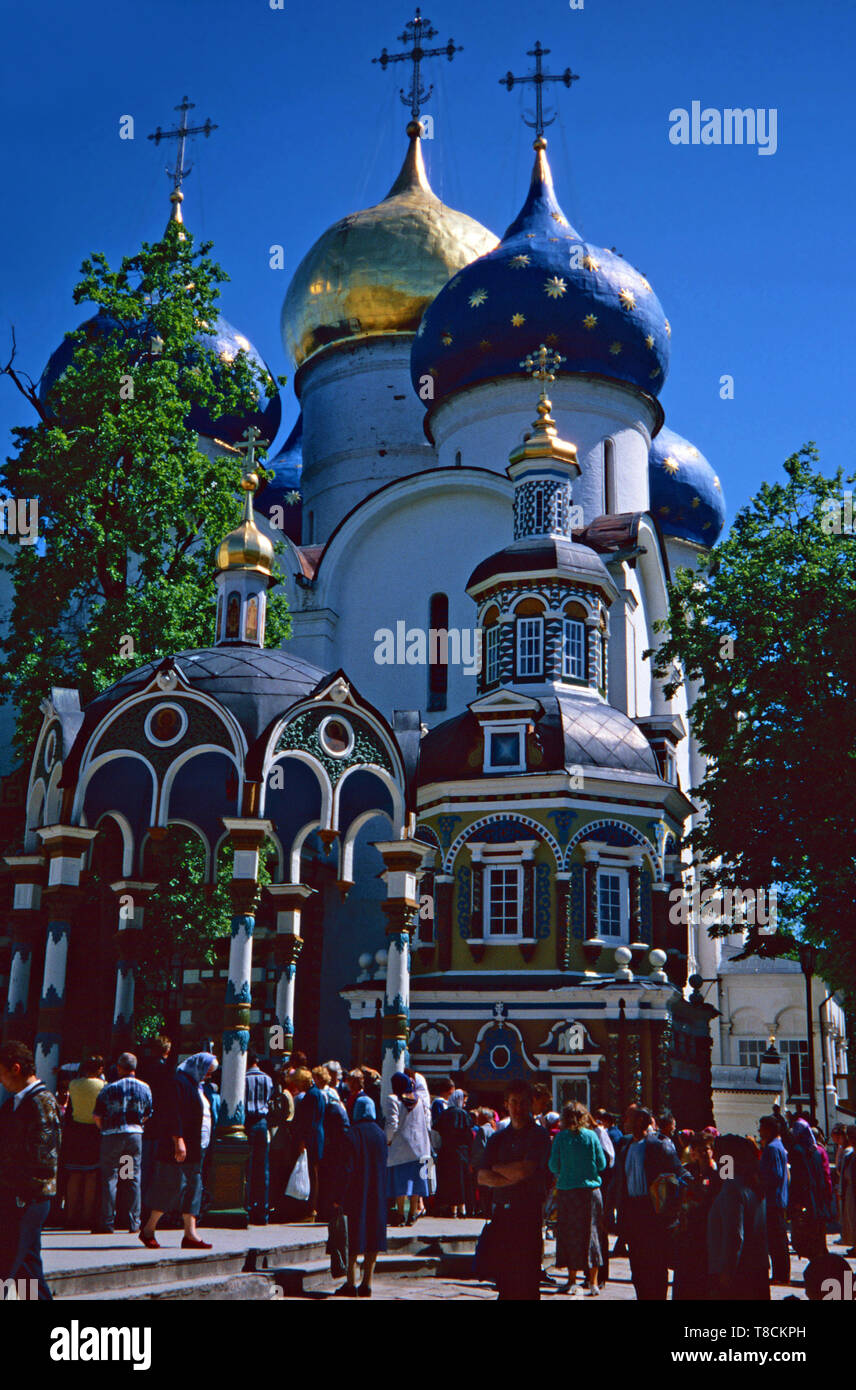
[
  {"x": 502, "y": 867},
  {"x": 620, "y": 872},
  {"x": 489, "y": 731},
  {"x": 528, "y": 629},
  {"x": 491, "y": 654},
  {"x": 569, "y": 627}
]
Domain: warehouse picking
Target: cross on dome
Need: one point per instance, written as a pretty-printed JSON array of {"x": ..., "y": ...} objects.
[
  {"x": 538, "y": 78},
  {"x": 417, "y": 31},
  {"x": 181, "y": 133}
]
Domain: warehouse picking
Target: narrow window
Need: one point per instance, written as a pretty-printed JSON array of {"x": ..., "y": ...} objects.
[
  {"x": 253, "y": 619},
  {"x": 530, "y": 646},
  {"x": 458, "y": 459},
  {"x": 491, "y": 655},
  {"x": 504, "y": 901},
  {"x": 233, "y": 616},
  {"x": 539, "y": 510},
  {"x": 609, "y": 499},
  {"x": 438, "y": 651},
  {"x": 573, "y": 649}
]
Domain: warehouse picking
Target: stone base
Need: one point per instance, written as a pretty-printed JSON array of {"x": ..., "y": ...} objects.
[{"x": 229, "y": 1182}]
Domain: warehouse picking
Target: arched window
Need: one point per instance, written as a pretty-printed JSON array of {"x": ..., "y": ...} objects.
[
  {"x": 233, "y": 616},
  {"x": 438, "y": 651},
  {"x": 253, "y": 619},
  {"x": 530, "y": 639},
  {"x": 608, "y": 476},
  {"x": 573, "y": 649},
  {"x": 458, "y": 458},
  {"x": 490, "y": 652}
]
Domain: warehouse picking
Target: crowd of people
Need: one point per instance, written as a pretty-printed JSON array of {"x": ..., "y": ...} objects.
[{"x": 132, "y": 1149}]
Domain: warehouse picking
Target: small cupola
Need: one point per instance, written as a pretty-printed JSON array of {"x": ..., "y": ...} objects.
[{"x": 244, "y": 571}]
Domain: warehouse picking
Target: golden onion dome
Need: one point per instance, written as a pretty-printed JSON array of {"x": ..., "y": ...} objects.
[
  {"x": 246, "y": 548},
  {"x": 374, "y": 273}
]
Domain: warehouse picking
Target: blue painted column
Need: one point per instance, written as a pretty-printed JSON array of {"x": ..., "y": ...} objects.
[
  {"x": 403, "y": 861},
  {"x": 25, "y": 925},
  {"x": 66, "y": 847},
  {"x": 289, "y": 899},
  {"x": 229, "y": 1168}
]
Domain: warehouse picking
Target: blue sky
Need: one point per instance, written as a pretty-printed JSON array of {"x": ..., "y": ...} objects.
[{"x": 747, "y": 253}]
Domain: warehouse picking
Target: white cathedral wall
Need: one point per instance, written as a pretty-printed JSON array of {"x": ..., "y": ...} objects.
[
  {"x": 362, "y": 427},
  {"x": 484, "y": 423},
  {"x": 423, "y": 536}
]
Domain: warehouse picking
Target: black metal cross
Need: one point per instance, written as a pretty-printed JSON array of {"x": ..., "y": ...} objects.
[
  {"x": 538, "y": 78},
  {"x": 417, "y": 31},
  {"x": 180, "y": 134}
]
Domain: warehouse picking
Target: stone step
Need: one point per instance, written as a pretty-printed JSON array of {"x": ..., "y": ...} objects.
[
  {"x": 238, "y": 1286},
  {"x": 313, "y": 1277},
  {"x": 173, "y": 1266}
]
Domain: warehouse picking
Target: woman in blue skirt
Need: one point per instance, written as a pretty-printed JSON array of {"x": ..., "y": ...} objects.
[{"x": 409, "y": 1151}]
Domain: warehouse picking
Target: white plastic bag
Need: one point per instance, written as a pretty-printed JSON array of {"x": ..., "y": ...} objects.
[{"x": 298, "y": 1184}]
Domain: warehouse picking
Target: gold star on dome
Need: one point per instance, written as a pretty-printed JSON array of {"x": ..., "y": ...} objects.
[
  {"x": 477, "y": 297},
  {"x": 654, "y": 372},
  {"x": 485, "y": 345},
  {"x": 693, "y": 452},
  {"x": 696, "y": 502},
  {"x": 591, "y": 263},
  {"x": 552, "y": 339},
  {"x": 649, "y": 341},
  {"x": 518, "y": 320},
  {"x": 664, "y": 511},
  {"x": 530, "y": 236},
  {"x": 447, "y": 340},
  {"x": 292, "y": 498},
  {"x": 554, "y": 238},
  {"x": 590, "y": 321},
  {"x": 717, "y": 484},
  {"x": 670, "y": 465},
  {"x": 555, "y": 286},
  {"x": 644, "y": 283},
  {"x": 627, "y": 298},
  {"x": 668, "y": 327},
  {"x": 518, "y": 262},
  {"x": 615, "y": 348},
  {"x": 557, "y": 217}
]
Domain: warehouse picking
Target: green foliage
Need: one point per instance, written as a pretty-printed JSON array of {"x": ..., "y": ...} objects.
[
  {"x": 769, "y": 629},
  {"x": 129, "y": 508}
]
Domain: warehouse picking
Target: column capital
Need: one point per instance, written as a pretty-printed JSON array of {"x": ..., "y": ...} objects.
[
  {"x": 288, "y": 895},
  {"x": 405, "y": 856},
  {"x": 135, "y": 887},
  {"x": 27, "y": 868},
  {"x": 65, "y": 840},
  {"x": 246, "y": 832}
]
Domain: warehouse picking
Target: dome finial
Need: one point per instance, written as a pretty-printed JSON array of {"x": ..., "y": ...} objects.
[
  {"x": 538, "y": 78},
  {"x": 417, "y": 31},
  {"x": 180, "y": 173},
  {"x": 247, "y": 547},
  {"x": 543, "y": 441}
]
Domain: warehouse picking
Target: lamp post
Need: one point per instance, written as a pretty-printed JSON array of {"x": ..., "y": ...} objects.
[{"x": 808, "y": 961}]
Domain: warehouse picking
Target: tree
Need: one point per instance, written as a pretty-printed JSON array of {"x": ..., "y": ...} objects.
[
  {"x": 768, "y": 628},
  {"x": 129, "y": 507}
]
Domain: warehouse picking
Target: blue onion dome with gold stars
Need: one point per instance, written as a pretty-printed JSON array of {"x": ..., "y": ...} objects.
[
  {"x": 374, "y": 273},
  {"x": 283, "y": 489},
  {"x": 543, "y": 284},
  {"x": 221, "y": 339},
  {"x": 686, "y": 495}
]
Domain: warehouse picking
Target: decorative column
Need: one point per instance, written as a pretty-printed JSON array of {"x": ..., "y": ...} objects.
[
  {"x": 229, "y": 1166},
  {"x": 593, "y": 945},
  {"x": 638, "y": 947},
  {"x": 403, "y": 860},
  {"x": 66, "y": 846},
  {"x": 25, "y": 922},
  {"x": 133, "y": 897},
  {"x": 563, "y": 887},
  {"x": 288, "y": 899}
]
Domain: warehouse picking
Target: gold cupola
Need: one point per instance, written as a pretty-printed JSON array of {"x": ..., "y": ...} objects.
[
  {"x": 243, "y": 572},
  {"x": 374, "y": 273},
  {"x": 246, "y": 548}
]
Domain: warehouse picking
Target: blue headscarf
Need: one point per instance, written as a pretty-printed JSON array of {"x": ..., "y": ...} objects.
[
  {"x": 364, "y": 1109},
  {"x": 198, "y": 1066}
]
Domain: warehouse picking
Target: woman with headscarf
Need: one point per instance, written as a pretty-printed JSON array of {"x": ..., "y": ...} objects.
[
  {"x": 407, "y": 1135},
  {"x": 177, "y": 1180},
  {"x": 453, "y": 1157},
  {"x": 362, "y": 1195},
  {"x": 809, "y": 1193},
  {"x": 336, "y": 1124}
]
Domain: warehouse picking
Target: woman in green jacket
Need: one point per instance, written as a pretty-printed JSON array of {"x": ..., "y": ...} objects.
[{"x": 577, "y": 1158}]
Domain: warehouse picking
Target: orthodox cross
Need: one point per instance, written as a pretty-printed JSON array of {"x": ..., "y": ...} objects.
[
  {"x": 538, "y": 78},
  {"x": 543, "y": 364},
  {"x": 417, "y": 31},
  {"x": 180, "y": 134},
  {"x": 251, "y": 440}
]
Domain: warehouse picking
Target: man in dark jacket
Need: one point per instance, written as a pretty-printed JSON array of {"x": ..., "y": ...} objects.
[
  {"x": 644, "y": 1159},
  {"x": 29, "y": 1158}
]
